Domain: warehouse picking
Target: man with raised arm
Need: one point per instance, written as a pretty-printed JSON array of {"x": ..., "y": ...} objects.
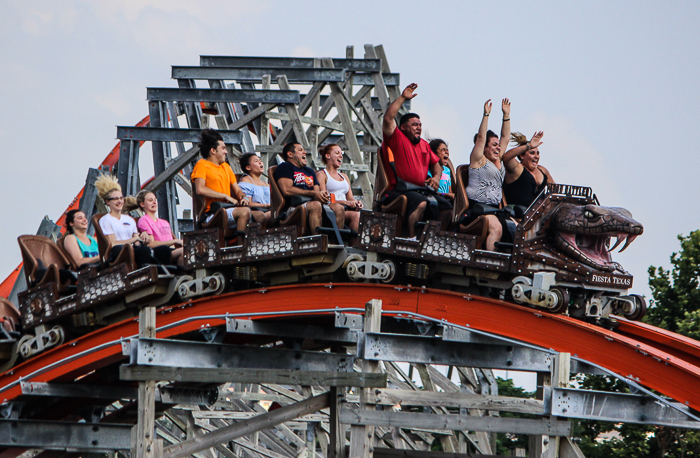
[
  {"x": 413, "y": 158},
  {"x": 294, "y": 178}
]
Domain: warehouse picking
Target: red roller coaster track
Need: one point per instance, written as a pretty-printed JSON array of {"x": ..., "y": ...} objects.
[{"x": 657, "y": 359}]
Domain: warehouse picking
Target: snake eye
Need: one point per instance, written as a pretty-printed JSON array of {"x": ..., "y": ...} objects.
[{"x": 588, "y": 214}]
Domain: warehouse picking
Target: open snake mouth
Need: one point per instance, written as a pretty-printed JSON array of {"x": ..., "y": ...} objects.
[{"x": 594, "y": 249}]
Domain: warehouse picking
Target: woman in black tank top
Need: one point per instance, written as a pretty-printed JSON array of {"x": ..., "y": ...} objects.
[{"x": 525, "y": 178}]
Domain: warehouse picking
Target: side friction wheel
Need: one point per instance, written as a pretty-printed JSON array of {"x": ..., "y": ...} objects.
[
  {"x": 563, "y": 299},
  {"x": 183, "y": 289},
  {"x": 640, "y": 308}
]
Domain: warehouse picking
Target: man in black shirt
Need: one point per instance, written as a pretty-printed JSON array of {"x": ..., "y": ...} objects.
[{"x": 294, "y": 178}]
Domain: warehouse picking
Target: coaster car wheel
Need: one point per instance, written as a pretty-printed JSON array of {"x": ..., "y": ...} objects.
[
  {"x": 563, "y": 299},
  {"x": 640, "y": 308}
]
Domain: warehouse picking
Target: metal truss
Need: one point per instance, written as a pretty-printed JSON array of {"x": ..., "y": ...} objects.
[{"x": 216, "y": 398}]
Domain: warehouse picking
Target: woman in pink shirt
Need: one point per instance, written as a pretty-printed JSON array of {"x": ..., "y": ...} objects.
[{"x": 166, "y": 248}]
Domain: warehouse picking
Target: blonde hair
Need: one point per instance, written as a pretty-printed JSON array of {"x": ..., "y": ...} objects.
[
  {"x": 517, "y": 137},
  {"x": 105, "y": 185},
  {"x": 132, "y": 203}
]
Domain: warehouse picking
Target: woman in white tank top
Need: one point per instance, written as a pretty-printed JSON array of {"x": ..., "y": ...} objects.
[{"x": 338, "y": 184}]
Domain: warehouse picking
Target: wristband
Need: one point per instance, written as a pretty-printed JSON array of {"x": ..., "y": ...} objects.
[
  {"x": 506, "y": 120},
  {"x": 486, "y": 114}
]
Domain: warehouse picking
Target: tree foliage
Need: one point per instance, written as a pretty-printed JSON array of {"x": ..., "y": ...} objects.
[
  {"x": 676, "y": 297},
  {"x": 676, "y": 307},
  {"x": 505, "y": 443}
]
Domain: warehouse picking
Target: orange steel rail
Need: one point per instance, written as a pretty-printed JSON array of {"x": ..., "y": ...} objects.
[
  {"x": 675, "y": 344},
  {"x": 640, "y": 361}
]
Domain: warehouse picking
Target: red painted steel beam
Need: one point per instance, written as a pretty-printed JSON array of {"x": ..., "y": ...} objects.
[
  {"x": 675, "y": 344},
  {"x": 650, "y": 366}
]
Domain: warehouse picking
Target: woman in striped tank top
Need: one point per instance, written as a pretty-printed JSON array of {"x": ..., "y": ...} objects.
[{"x": 487, "y": 172}]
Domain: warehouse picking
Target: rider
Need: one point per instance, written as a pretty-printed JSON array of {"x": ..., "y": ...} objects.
[
  {"x": 214, "y": 180},
  {"x": 525, "y": 178},
  {"x": 486, "y": 174},
  {"x": 331, "y": 179},
  {"x": 297, "y": 182},
  {"x": 413, "y": 158}
]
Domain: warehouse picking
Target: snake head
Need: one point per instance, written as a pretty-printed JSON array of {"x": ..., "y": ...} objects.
[{"x": 585, "y": 232}]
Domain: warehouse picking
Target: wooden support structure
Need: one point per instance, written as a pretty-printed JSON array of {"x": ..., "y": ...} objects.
[
  {"x": 291, "y": 408},
  {"x": 235, "y": 431},
  {"x": 144, "y": 443},
  {"x": 362, "y": 436}
]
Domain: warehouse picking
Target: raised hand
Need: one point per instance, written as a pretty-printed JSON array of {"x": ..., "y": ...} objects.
[
  {"x": 536, "y": 139},
  {"x": 408, "y": 93},
  {"x": 487, "y": 107},
  {"x": 505, "y": 106}
]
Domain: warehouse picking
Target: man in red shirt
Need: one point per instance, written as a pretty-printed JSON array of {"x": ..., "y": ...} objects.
[{"x": 412, "y": 158}]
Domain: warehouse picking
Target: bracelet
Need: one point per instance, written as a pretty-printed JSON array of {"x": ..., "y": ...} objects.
[
  {"x": 486, "y": 114},
  {"x": 506, "y": 120},
  {"x": 529, "y": 147}
]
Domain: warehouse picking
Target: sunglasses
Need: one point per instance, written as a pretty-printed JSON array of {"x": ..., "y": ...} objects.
[{"x": 109, "y": 199}]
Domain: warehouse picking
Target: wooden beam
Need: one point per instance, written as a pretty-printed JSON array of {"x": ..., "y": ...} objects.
[
  {"x": 455, "y": 422},
  {"x": 340, "y": 98},
  {"x": 145, "y": 443},
  {"x": 307, "y": 120},
  {"x": 396, "y": 453},
  {"x": 305, "y": 104},
  {"x": 294, "y": 117},
  {"x": 560, "y": 379},
  {"x": 363, "y": 122},
  {"x": 361, "y": 436},
  {"x": 465, "y": 400},
  {"x": 569, "y": 449},
  {"x": 379, "y": 86},
  {"x": 394, "y": 91},
  {"x": 284, "y": 377},
  {"x": 264, "y": 421}
]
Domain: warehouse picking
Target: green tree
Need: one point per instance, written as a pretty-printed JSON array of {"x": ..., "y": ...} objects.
[
  {"x": 675, "y": 306},
  {"x": 676, "y": 297},
  {"x": 505, "y": 443}
]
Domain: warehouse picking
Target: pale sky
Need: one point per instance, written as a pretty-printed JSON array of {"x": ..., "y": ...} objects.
[{"x": 612, "y": 84}]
